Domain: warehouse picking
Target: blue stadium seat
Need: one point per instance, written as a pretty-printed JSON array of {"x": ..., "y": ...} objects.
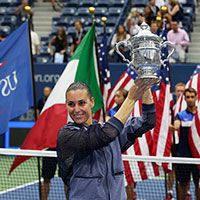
[
  {"x": 102, "y": 3},
  {"x": 5, "y": 2},
  {"x": 5, "y": 29},
  {"x": 44, "y": 41},
  {"x": 111, "y": 21},
  {"x": 69, "y": 11},
  {"x": 140, "y": 3},
  {"x": 189, "y": 12},
  {"x": 72, "y": 3},
  {"x": 55, "y": 20},
  {"x": 109, "y": 29},
  {"x": 99, "y": 31},
  {"x": 71, "y": 30},
  {"x": 3, "y": 10},
  {"x": 69, "y": 40},
  {"x": 117, "y": 3},
  {"x": 99, "y": 39},
  {"x": 44, "y": 50},
  {"x": 11, "y": 10},
  {"x": 87, "y": 3},
  {"x": 114, "y": 11},
  {"x": 83, "y": 11},
  {"x": 101, "y": 12},
  {"x": 43, "y": 59},
  {"x": 64, "y": 21},
  {"x": 187, "y": 22},
  {"x": 10, "y": 20}
]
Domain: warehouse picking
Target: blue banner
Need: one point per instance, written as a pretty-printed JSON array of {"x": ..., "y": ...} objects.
[{"x": 16, "y": 94}]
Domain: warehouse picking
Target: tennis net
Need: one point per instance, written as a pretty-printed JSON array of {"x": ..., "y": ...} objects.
[{"x": 144, "y": 174}]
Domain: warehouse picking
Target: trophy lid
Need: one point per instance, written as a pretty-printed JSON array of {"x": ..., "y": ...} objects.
[{"x": 145, "y": 34}]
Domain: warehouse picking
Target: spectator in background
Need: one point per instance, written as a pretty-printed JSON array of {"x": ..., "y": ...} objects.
[
  {"x": 133, "y": 21},
  {"x": 22, "y": 14},
  {"x": 183, "y": 122},
  {"x": 61, "y": 46},
  {"x": 120, "y": 35},
  {"x": 151, "y": 11},
  {"x": 120, "y": 97},
  {"x": 42, "y": 100},
  {"x": 175, "y": 10},
  {"x": 154, "y": 27},
  {"x": 78, "y": 36},
  {"x": 35, "y": 41},
  {"x": 180, "y": 39}
]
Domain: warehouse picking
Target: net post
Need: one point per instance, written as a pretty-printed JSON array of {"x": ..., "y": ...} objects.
[{"x": 39, "y": 178}]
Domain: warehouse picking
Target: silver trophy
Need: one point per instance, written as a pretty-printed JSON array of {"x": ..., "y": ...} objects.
[{"x": 145, "y": 48}]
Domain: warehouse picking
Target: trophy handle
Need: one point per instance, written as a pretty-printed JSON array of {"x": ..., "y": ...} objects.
[
  {"x": 171, "y": 50},
  {"x": 117, "y": 50}
]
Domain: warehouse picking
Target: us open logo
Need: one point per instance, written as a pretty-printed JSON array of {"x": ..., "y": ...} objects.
[{"x": 8, "y": 83}]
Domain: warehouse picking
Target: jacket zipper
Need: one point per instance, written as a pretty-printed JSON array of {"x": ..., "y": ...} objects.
[{"x": 108, "y": 191}]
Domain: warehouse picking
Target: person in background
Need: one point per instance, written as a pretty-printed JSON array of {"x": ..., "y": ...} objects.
[
  {"x": 179, "y": 90},
  {"x": 120, "y": 35},
  {"x": 89, "y": 153},
  {"x": 183, "y": 122},
  {"x": 22, "y": 14},
  {"x": 175, "y": 11},
  {"x": 48, "y": 164},
  {"x": 42, "y": 100},
  {"x": 180, "y": 39},
  {"x": 154, "y": 27},
  {"x": 150, "y": 12},
  {"x": 61, "y": 46},
  {"x": 120, "y": 97},
  {"x": 133, "y": 21},
  {"x": 35, "y": 41},
  {"x": 78, "y": 36}
]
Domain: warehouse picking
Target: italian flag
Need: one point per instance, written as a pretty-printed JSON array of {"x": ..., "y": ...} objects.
[{"x": 82, "y": 67}]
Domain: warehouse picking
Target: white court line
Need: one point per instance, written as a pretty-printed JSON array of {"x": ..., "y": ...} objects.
[{"x": 19, "y": 187}]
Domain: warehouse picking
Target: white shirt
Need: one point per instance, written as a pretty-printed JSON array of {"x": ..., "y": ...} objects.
[{"x": 35, "y": 41}]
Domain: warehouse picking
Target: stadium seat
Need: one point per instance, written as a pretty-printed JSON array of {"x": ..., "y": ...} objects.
[
  {"x": 99, "y": 31},
  {"x": 99, "y": 39},
  {"x": 140, "y": 3},
  {"x": 10, "y": 20},
  {"x": 64, "y": 21},
  {"x": 87, "y": 3},
  {"x": 5, "y": 29},
  {"x": 11, "y": 10},
  {"x": 71, "y": 30},
  {"x": 111, "y": 21},
  {"x": 69, "y": 11},
  {"x": 101, "y": 12},
  {"x": 83, "y": 12},
  {"x": 44, "y": 50},
  {"x": 69, "y": 40},
  {"x": 3, "y": 10},
  {"x": 117, "y": 3},
  {"x": 109, "y": 29},
  {"x": 187, "y": 22},
  {"x": 102, "y": 3},
  {"x": 189, "y": 12},
  {"x": 72, "y": 3},
  {"x": 55, "y": 20},
  {"x": 44, "y": 41},
  {"x": 43, "y": 59},
  {"x": 114, "y": 11}
]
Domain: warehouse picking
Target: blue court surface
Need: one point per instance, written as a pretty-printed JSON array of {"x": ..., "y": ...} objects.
[{"x": 153, "y": 189}]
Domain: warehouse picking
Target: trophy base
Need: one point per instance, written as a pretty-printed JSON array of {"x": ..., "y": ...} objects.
[{"x": 149, "y": 80}]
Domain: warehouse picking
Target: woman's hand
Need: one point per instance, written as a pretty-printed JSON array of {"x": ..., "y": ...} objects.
[{"x": 63, "y": 51}]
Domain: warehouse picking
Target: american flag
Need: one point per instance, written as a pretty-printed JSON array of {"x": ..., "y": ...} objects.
[
  {"x": 194, "y": 135},
  {"x": 156, "y": 142},
  {"x": 104, "y": 74}
]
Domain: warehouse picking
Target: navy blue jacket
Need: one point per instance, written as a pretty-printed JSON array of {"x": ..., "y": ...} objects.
[{"x": 90, "y": 160}]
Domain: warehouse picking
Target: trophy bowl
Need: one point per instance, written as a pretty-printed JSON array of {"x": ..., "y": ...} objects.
[{"x": 145, "y": 49}]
